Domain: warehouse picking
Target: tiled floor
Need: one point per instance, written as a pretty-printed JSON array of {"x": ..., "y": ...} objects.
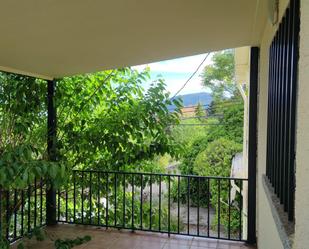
[{"x": 114, "y": 239}]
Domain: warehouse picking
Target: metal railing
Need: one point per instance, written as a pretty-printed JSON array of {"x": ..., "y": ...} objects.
[
  {"x": 190, "y": 205},
  {"x": 22, "y": 210}
]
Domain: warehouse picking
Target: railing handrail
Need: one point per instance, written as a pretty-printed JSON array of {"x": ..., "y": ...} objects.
[{"x": 159, "y": 174}]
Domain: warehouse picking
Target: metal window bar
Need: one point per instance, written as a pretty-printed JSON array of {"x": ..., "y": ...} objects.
[{"x": 282, "y": 86}]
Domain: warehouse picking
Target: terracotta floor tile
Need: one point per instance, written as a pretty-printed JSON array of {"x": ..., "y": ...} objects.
[
  {"x": 232, "y": 245},
  {"x": 175, "y": 246},
  {"x": 180, "y": 240},
  {"x": 205, "y": 243},
  {"x": 125, "y": 239}
]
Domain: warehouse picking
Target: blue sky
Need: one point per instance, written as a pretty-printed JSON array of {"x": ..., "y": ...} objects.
[{"x": 177, "y": 71}]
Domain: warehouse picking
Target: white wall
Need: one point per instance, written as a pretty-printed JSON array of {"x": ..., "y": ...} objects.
[{"x": 242, "y": 75}]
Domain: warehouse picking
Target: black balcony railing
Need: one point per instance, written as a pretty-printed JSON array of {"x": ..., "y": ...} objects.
[
  {"x": 22, "y": 210},
  {"x": 190, "y": 205},
  {"x": 167, "y": 203}
]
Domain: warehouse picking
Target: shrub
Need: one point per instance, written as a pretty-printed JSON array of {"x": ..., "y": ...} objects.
[{"x": 216, "y": 160}]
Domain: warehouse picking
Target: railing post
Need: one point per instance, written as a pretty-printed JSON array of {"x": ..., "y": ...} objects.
[
  {"x": 51, "y": 150},
  {"x": 252, "y": 145}
]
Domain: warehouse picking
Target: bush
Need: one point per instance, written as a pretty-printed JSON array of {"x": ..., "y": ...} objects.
[
  {"x": 183, "y": 192},
  {"x": 216, "y": 160},
  {"x": 186, "y": 166}
]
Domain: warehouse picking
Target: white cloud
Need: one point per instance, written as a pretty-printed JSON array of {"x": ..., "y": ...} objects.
[
  {"x": 180, "y": 65},
  {"x": 177, "y": 71},
  {"x": 194, "y": 86}
]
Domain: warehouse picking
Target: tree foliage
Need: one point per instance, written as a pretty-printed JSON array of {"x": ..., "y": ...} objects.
[
  {"x": 105, "y": 120},
  {"x": 200, "y": 112},
  {"x": 109, "y": 122},
  {"x": 211, "y": 153},
  {"x": 219, "y": 76},
  {"x": 216, "y": 159},
  {"x": 23, "y": 133}
]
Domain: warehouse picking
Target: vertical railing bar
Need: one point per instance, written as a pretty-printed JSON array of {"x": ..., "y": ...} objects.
[
  {"x": 35, "y": 202},
  {"x": 59, "y": 205},
  {"x": 22, "y": 213},
  {"x": 229, "y": 221},
  {"x": 178, "y": 205},
  {"x": 90, "y": 197},
  {"x": 98, "y": 193},
  {"x": 160, "y": 179},
  {"x": 82, "y": 197},
  {"x": 66, "y": 205},
  {"x": 41, "y": 201},
  {"x": 208, "y": 205},
  {"x": 15, "y": 213},
  {"x": 141, "y": 203},
  {"x": 106, "y": 208},
  {"x": 29, "y": 207},
  {"x": 198, "y": 206},
  {"x": 124, "y": 201},
  {"x": 219, "y": 207},
  {"x": 188, "y": 206},
  {"x": 150, "y": 204},
  {"x": 115, "y": 200},
  {"x": 7, "y": 214},
  {"x": 1, "y": 223},
  {"x": 74, "y": 196},
  {"x": 240, "y": 210},
  {"x": 169, "y": 205},
  {"x": 132, "y": 218}
]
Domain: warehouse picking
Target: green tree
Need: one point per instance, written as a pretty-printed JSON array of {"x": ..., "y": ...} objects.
[
  {"x": 219, "y": 76},
  {"x": 216, "y": 160},
  {"x": 105, "y": 121},
  {"x": 200, "y": 112},
  {"x": 227, "y": 102},
  {"x": 23, "y": 159},
  {"x": 109, "y": 122},
  {"x": 229, "y": 117},
  {"x": 211, "y": 154},
  {"x": 23, "y": 133}
]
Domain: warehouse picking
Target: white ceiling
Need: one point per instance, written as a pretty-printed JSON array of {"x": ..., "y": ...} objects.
[{"x": 56, "y": 38}]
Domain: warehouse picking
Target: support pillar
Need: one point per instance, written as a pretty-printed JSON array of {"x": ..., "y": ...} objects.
[
  {"x": 252, "y": 144},
  {"x": 51, "y": 150}
]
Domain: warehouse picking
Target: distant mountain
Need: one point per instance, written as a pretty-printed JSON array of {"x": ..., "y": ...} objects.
[{"x": 193, "y": 99}]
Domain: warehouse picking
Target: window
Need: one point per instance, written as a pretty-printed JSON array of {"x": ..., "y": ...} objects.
[{"x": 283, "y": 63}]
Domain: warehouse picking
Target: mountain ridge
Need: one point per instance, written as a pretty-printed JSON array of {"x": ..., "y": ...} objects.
[{"x": 192, "y": 99}]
